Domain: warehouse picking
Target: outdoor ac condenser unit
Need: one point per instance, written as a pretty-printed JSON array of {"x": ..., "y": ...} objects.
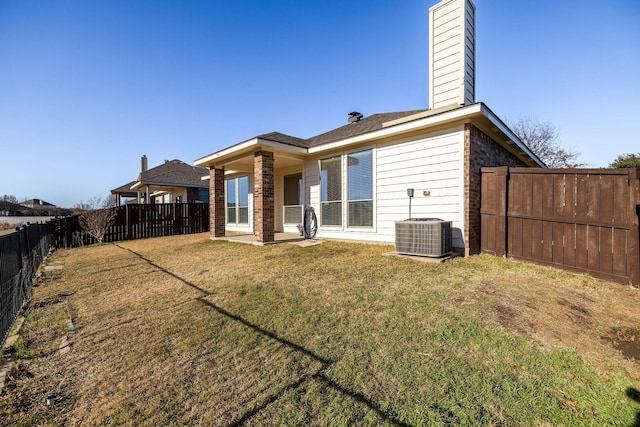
[{"x": 423, "y": 236}]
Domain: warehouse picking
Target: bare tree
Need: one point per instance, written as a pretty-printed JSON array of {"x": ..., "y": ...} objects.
[
  {"x": 543, "y": 139},
  {"x": 97, "y": 215},
  {"x": 8, "y": 202},
  {"x": 9, "y": 198}
]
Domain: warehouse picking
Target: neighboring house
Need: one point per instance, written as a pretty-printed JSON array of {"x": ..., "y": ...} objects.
[
  {"x": 37, "y": 204},
  {"x": 356, "y": 177},
  {"x": 174, "y": 181}
]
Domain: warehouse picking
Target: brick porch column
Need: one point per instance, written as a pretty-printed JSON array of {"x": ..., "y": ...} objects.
[
  {"x": 216, "y": 202},
  {"x": 263, "y": 197}
]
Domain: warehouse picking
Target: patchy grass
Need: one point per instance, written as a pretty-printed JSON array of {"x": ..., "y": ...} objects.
[{"x": 185, "y": 330}]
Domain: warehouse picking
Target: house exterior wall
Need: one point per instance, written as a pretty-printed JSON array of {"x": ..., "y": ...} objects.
[
  {"x": 432, "y": 162},
  {"x": 187, "y": 195},
  {"x": 480, "y": 151}
]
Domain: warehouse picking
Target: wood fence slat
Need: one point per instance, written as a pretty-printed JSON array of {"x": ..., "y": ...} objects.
[
  {"x": 515, "y": 240},
  {"x": 547, "y": 186},
  {"x": 605, "y": 248},
  {"x": 593, "y": 197},
  {"x": 606, "y": 198},
  {"x": 582, "y": 190},
  {"x": 559, "y": 250},
  {"x": 547, "y": 241},
  {"x": 569, "y": 236},
  {"x": 579, "y": 219}
]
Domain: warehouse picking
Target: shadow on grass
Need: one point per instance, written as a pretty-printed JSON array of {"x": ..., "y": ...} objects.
[
  {"x": 319, "y": 374},
  {"x": 635, "y": 395}
]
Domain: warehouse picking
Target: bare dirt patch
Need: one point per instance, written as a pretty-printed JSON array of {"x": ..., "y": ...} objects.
[
  {"x": 578, "y": 315},
  {"x": 626, "y": 340}
]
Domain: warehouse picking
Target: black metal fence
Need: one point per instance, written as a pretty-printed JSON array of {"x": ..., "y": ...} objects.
[
  {"x": 21, "y": 253},
  {"x": 139, "y": 221}
]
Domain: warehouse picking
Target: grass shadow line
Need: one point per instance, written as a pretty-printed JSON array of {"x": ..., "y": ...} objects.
[{"x": 326, "y": 363}]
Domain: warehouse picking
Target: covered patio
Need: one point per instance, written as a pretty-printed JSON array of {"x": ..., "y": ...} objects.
[
  {"x": 252, "y": 240},
  {"x": 253, "y": 175}
]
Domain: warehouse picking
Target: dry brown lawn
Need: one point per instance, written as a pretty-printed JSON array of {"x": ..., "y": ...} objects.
[{"x": 183, "y": 330}]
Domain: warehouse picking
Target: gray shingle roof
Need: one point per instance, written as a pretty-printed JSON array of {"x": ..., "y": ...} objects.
[
  {"x": 284, "y": 139},
  {"x": 124, "y": 188},
  {"x": 175, "y": 172},
  {"x": 365, "y": 125}
]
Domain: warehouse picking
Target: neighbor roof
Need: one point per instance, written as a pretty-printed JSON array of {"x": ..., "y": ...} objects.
[
  {"x": 173, "y": 173},
  {"x": 125, "y": 189}
]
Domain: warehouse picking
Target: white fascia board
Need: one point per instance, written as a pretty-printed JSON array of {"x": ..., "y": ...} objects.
[
  {"x": 211, "y": 158},
  {"x": 448, "y": 116},
  {"x": 248, "y": 146},
  {"x": 136, "y": 185},
  {"x": 509, "y": 134}
]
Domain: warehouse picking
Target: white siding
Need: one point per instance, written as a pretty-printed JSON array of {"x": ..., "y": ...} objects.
[
  {"x": 451, "y": 53},
  {"x": 433, "y": 163}
]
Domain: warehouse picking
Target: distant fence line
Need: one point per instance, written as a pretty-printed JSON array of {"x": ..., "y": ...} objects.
[
  {"x": 21, "y": 253},
  {"x": 135, "y": 221},
  {"x": 20, "y": 220}
]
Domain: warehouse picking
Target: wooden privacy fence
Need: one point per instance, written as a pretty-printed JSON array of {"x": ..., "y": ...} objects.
[
  {"x": 136, "y": 221},
  {"x": 585, "y": 220}
]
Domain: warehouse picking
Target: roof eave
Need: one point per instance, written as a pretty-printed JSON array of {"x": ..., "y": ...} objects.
[
  {"x": 141, "y": 184},
  {"x": 510, "y": 135},
  {"x": 424, "y": 121},
  {"x": 246, "y": 148},
  {"x": 392, "y": 129}
]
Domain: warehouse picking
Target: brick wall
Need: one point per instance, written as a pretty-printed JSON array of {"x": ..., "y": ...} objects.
[
  {"x": 263, "y": 197},
  {"x": 216, "y": 202},
  {"x": 479, "y": 151}
]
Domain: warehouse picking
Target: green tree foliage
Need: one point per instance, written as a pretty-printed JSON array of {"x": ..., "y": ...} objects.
[{"x": 626, "y": 161}]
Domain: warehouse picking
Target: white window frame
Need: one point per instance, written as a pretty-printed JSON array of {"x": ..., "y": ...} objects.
[
  {"x": 341, "y": 201},
  {"x": 237, "y": 201},
  {"x": 344, "y": 187},
  {"x": 346, "y": 192}
]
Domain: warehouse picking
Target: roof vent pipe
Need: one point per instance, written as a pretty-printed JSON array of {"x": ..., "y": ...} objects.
[
  {"x": 355, "y": 117},
  {"x": 143, "y": 163}
]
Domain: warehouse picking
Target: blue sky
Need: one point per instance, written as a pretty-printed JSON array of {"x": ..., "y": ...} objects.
[{"x": 87, "y": 87}]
